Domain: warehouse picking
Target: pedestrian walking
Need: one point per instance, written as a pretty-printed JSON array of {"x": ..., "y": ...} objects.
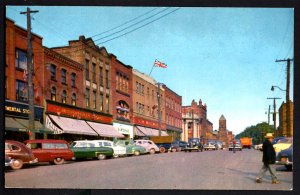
[
  {"x": 268, "y": 159},
  {"x": 233, "y": 143}
]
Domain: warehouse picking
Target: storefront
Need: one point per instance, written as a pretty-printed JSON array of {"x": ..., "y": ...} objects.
[
  {"x": 148, "y": 132},
  {"x": 16, "y": 121},
  {"x": 175, "y": 132},
  {"x": 124, "y": 129}
]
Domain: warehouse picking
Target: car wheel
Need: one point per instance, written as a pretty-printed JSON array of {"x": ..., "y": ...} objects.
[
  {"x": 178, "y": 149},
  {"x": 101, "y": 156},
  {"x": 289, "y": 167},
  {"x": 174, "y": 150},
  {"x": 58, "y": 161},
  {"x": 162, "y": 150},
  {"x": 16, "y": 164},
  {"x": 116, "y": 155},
  {"x": 136, "y": 153},
  {"x": 152, "y": 151}
]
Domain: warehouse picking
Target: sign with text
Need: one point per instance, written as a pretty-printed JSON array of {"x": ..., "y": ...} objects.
[
  {"x": 22, "y": 110},
  {"x": 148, "y": 123}
]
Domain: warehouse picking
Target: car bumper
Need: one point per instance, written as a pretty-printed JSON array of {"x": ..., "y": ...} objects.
[
  {"x": 283, "y": 161},
  {"x": 33, "y": 161},
  {"x": 7, "y": 164}
]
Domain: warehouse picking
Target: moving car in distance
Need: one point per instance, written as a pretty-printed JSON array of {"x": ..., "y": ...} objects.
[
  {"x": 20, "y": 153},
  {"x": 50, "y": 150},
  {"x": 238, "y": 146},
  {"x": 210, "y": 145},
  {"x": 85, "y": 149}
]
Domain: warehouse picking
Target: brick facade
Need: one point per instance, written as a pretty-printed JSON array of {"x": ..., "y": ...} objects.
[{"x": 282, "y": 129}]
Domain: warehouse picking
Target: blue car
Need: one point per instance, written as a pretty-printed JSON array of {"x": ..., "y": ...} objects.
[{"x": 285, "y": 157}]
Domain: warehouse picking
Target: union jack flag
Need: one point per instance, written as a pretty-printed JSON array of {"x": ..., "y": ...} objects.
[{"x": 160, "y": 64}]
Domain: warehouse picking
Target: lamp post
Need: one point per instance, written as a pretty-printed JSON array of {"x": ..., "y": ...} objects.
[{"x": 287, "y": 109}]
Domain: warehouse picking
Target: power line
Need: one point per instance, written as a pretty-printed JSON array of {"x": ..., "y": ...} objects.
[
  {"x": 134, "y": 24},
  {"x": 139, "y": 27},
  {"x": 124, "y": 23}
]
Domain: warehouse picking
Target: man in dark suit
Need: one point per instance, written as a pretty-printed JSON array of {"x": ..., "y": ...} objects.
[{"x": 269, "y": 157}]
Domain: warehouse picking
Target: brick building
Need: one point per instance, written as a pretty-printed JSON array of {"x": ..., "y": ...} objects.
[
  {"x": 121, "y": 90},
  {"x": 223, "y": 134},
  {"x": 145, "y": 106},
  {"x": 282, "y": 129},
  {"x": 195, "y": 122},
  {"x": 16, "y": 87},
  {"x": 173, "y": 103}
]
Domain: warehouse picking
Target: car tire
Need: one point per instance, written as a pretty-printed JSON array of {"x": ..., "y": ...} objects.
[
  {"x": 152, "y": 151},
  {"x": 101, "y": 156},
  {"x": 136, "y": 153},
  {"x": 58, "y": 161},
  {"x": 174, "y": 150},
  {"x": 16, "y": 164},
  {"x": 162, "y": 150},
  {"x": 179, "y": 149},
  {"x": 116, "y": 156}
]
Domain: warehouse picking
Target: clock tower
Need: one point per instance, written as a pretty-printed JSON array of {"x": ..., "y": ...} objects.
[{"x": 222, "y": 129}]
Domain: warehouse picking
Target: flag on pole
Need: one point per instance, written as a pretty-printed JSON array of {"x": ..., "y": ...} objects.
[{"x": 160, "y": 64}]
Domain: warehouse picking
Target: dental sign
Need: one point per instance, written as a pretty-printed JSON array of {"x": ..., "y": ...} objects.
[{"x": 20, "y": 109}]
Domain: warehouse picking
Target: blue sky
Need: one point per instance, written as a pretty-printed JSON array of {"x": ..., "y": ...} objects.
[{"x": 224, "y": 56}]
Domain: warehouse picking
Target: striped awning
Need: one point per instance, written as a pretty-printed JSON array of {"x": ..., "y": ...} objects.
[
  {"x": 105, "y": 130},
  {"x": 146, "y": 131}
]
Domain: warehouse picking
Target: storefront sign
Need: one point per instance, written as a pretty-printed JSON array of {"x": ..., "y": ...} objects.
[
  {"x": 22, "y": 110},
  {"x": 124, "y": 129},
  {"x": 50, "y": 125},
  {"x": 148, "y": 123},
  {"x": 78, "y": 114}
]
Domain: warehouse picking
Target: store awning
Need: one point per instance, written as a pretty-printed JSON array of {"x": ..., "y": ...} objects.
[
  {"x": 12, "y": 125},
  {"x": 73, "y": 126},
  {"x": 37, "y": 126},
  {"x": 146, "y": 131},
  {"x": 105, "y": 130}
]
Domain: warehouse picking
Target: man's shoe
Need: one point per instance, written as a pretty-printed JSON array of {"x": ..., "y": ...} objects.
[
  {"x": 258, "y": 180},
  {"x": 275, "y": 182}
]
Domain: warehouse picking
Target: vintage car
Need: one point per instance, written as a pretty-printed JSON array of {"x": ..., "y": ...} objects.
[
  {"x": 149, "y": 145},
  {"x": 118, "y": 150},
  {"x": 131, "y": 148},
  {"x": 238, "y": 146},
  {"x": 283, "y": 144},
  {"x": 219, "y": 145},
  {"x": 85, "y": 149},
  {"x": 20, "y": 153},
  {"x": 50, "y": 150},
  {"x": 209, "y": 146},
  {"x": 285, "y": 157},
  {"x": 194, "y": 144},
  {"x": 179, "y": 145}
]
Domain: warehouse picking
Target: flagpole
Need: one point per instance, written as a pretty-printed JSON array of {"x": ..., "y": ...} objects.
[{"x": 151, "y": 70}]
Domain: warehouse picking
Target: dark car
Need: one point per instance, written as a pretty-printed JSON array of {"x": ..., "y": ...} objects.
[
  {"x": 178, "y": 146},
  {"x": 276, "y": 139},
  {"x": 20, "y": 153},
  {"x": 194, "y": 144},
  {"x": 285, "y": 157}
]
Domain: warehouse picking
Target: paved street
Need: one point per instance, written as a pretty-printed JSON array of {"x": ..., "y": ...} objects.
[{"x": 180, "y": 170}]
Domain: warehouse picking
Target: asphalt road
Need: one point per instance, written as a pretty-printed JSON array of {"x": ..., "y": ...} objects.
[{"x": 219, "y": 170}]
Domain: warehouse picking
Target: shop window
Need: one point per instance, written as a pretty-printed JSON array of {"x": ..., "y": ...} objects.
[
  {"x": 21, "y": 91},
  {"x": 53, "y": 94},
  {"x": 64, "y": 97},
  {"x": 63, "y": 76},
  {"x": 21, "y": 59},
  {"x": 73, "y": 79},
  {"x": 53, "y": 72},
  {"x": 73, "y": 99}
]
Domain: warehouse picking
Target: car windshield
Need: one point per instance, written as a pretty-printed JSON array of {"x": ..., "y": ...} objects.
[{"x": 285, "y": 140}]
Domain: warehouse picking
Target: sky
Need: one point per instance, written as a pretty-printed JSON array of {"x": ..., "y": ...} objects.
[{"x": 223, "y": 56}]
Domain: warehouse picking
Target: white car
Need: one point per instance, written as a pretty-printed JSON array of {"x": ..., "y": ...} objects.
[
  {"x": 149, "y": 145},
  {"x": 209, "y": 146},
  {"x": 118, "y": 150}
]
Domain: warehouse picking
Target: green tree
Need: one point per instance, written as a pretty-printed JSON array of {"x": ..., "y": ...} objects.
[{"x": 256, "y": 132}]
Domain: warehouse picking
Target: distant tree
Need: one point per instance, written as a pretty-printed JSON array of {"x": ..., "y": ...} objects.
[{"x": 256, "y": 132}]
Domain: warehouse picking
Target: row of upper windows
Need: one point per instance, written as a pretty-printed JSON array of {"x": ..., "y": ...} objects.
[
  {"x": 63, "y": 75},
  {"x": 172, "y": 104},
  {"x": 94, "y": 101},
  {"x": 173, "y": 121},
  {"x": 94, "y": 73}
]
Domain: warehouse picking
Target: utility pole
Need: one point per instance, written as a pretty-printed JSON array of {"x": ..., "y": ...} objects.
[
  {"x": 158, "y": 107},
  {"x": 274, "y": 113},
  {"x": 269, "y": 115},
  {"x": 30, "y": 74},
  {"x": 288, "y": 128}
]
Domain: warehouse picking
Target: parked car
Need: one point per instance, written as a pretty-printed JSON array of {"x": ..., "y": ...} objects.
[
  {"x": 209, "y": 146},
  {"x": 8, "y": 161},
  {"x": 259, "y": 147},
  {"x": 118, "y": 150},
  {"x": 194, "y": 144},
  {"x": 238, "y": 146},
  {"x": 131, "y": 148},
  {"x": 149, "y": 145},
  {"x": 285, "y": 157},
  {"x": 50, "y": 150},
  {"x": 276, "y": 139},
  {"x": 180, "y": 145},
  {"x": 219, "y": 145},
  {"x": 20, "y": 153},
  {"x": 85, "y": 149},
  {"x": 283, "y": 144}
]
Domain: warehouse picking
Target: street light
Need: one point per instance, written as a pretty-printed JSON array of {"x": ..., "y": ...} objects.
[{"x": 273, "y": 88}]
